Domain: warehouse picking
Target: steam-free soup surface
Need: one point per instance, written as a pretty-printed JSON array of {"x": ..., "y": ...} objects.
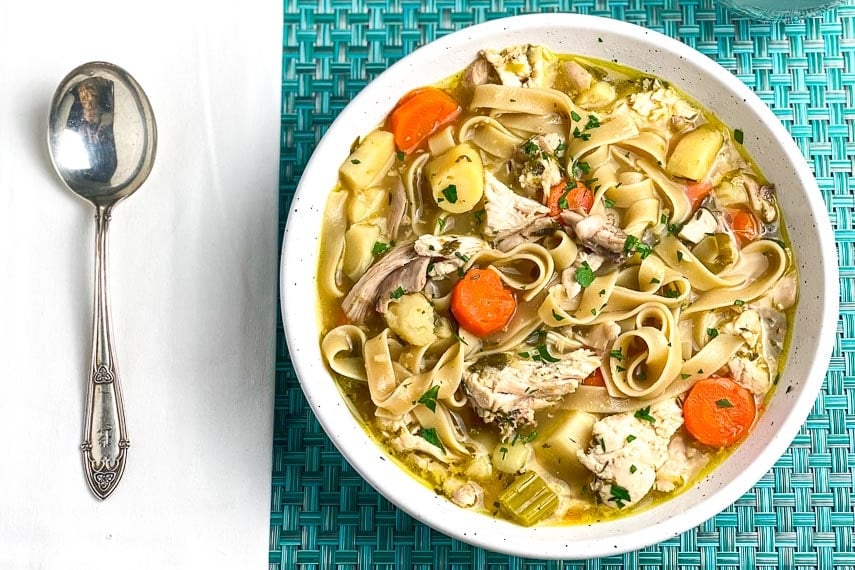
[{"x": 555, "y": 289}]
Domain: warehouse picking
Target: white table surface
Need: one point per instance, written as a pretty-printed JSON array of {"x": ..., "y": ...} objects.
[{"x": 193, "y": 275}]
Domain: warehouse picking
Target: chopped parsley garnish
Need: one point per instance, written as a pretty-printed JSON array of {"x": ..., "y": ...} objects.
[
  {"x": 644, "y": 414},
  {"x": 608, "y": 202},
  {"x": 504, "y": 451},
  {"x": 577, "y": 134},
  {"x": 634, "y": 245},
  {"x": 429, "y": 398},
  {"x": 738, "y": 135},
  {"x": 430, "y": 436},
  {"x": 674, "y": 229},
  {"x": 440, "y": 221},
  {"x": 620, "y": 496},
  {"x": 633, "y": 468},
  {"x": 723, "y": 403},
  {"x": 679, "y": 256},
  {"x": 654, "y": 281},
  {"x": 602, "y": 292},
  {"x": 479, "y": 215},
  {"x": 616, "y": 354},
  {"x": 584, "y": 167},
  {"x": 356, "y": 161},
  {"x": 450, "y": 193},
  {"x": 630, "y": 438},
  {"x": 461, "y": 257},
  {"x": 562, "y": 201},
  {"x": 556, "y": 316},
  {"x": 575, "y": 116},
  {"x": 543, "y": 354},
  {"x": 594, "y": 312},
  {"x": 530, "y": 437},
  {"x": 684, "y": 375},
  {"x": 602, "y": 444},
  {"x": 620, "y": 368},
  {"x": 525, "y": 354},
  {"x": 739, "y": 302},
  {"x": 400, "y": 154},
  {"x": 398, "y": 293},
  {"x": 379, "y": 248},
  {"x": 559, "y": 150},
  {"x": 530, "y": 148},
  {"x": 672, "y": 293},
  {"x": 593, "y": 122},
  {"x": 584, "y": 275},
  {"x": 712, "y": 333},
  {"x": 777, "y": 379},
  {"x": 663, "y": 219}
]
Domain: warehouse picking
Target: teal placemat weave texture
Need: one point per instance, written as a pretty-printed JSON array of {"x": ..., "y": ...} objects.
[{"x": 800, "y": 515}]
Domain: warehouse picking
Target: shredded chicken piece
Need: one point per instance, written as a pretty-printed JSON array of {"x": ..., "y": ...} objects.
[
  {"x": 580, "y": 78},
  {"x": 362, "y": 298},
  {"x": 397, "y": 207},
  {"x": 510, "y": 394},
  {"x": 627, "y": 449},
  {"x": 761, "y": 199},
  {"x": 506, "y": 211},
  {"x": 448, "y": 252},
  {"x": 750, "y": 367},
  {"x": 518, "y": 66},
  {"x": 479, "y": 73},
  {"x": 468, "y": 495},
  {"x": 684, "y": 462},
  {"x": 600, "y": 336},
  {"x": 596, "y": 231},
  {"x": 538, "y": 228},
  {"x": 540, "y": 166},
  {"x": 661, "y": 104}
]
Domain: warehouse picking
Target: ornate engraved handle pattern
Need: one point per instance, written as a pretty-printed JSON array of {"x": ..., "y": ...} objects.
[{"x": 105, "y": 437}]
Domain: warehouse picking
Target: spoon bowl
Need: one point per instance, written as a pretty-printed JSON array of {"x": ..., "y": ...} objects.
[{"x": 102, "y": 139}]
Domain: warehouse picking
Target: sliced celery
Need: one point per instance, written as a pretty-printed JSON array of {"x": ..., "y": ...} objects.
[{"x": 529, "y": 499}]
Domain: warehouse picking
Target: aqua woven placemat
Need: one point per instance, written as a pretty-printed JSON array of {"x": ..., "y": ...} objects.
[{"x": 800, "y": 515}]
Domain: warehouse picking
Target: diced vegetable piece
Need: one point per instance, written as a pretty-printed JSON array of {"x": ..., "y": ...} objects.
[
  {"x": 697, "y": 192},
  {"x": 716, "y": 251},
  {"x": 510, "y": 457},
  {"x": 419, "y": 114},
  {"x": 365, "y": 204},
  {"x": 412, "y": 318},
  {"x": 456, "y": 178},
  {"x": 481, "y": 303},
  {"x": 572, "y": 433},
  {"x": 694, "y": 153},
  {"x": 560, "y": 198},
  {"x": 703, "y": 222},
  {"x": 600, "y": 94},
  {"x": 744, "y": 225},
  {"x": 528, "y": 500},
  {"x": 370, "y": 162},
  {"x": 595, "y": 379},
  {"x": 359, "y": 240},
  {"x": 718, "y": 412},
  {"x": 729, "y": 194}
]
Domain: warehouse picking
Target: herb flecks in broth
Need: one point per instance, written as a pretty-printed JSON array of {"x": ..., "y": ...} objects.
[{"x": 557, "y": 290}]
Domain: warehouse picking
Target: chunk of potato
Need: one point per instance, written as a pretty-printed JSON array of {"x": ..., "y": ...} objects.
[
  {"x": 600, "y": 94},
  {"x": 511, "y": 457},
  {"x": 456, "y": 178},
  {"x": 359, "y": 240},
  {"x": 370, "y": 162},
  {"x": 412, "y": 318},
  {"x": 365, "y": 204},
  {"x": 558, "y": 451},
  {"x": 694, "y": 153}
]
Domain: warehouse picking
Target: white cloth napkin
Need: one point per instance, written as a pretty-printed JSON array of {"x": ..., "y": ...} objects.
[{"x": 193, "y": 277}]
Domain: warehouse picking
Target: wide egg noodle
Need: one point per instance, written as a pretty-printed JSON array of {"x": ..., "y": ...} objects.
[
  {"x": 638, "y": 284},
  {"x": 490, "y": 135},
  {"x": 332, "y": 238},
  {"x": 618, "y": 128},
  {"x": 532, "y": 101},
  {"x": 761, "y": 265},
  {"x": 594, "y": 299},
  {"x": 458, "y": 444},
  {"x": 682, "y": 260},
  {"x": 394, "y": 390},
  {"x": 342, "y": 349},
  {"x": 562, "y": 249},
  {"x": 412, "y": 176},
  {"x": 645, "y": 372},
  {"x": 650, "y": 144},
  {"x": 675, "y": 194},
  {"x": 713, "y": 356},
  {"x": 528, "y": 124},
  {"x": 526, "y": 268}
]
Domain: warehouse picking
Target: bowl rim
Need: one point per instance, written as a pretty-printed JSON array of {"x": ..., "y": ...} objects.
[{"x": 360, "y": 450}]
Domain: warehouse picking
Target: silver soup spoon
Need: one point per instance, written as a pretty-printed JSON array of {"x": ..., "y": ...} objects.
[{"x": 102, "y": 139}]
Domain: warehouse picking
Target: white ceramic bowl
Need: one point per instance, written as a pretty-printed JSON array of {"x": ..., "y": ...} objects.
[{"x": 775, "y": 153}]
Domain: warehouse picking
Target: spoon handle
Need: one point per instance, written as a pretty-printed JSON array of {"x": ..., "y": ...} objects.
[{"x": 105, "y": 437}]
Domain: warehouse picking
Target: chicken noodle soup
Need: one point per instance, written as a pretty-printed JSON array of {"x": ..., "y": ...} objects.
[{"x": 554, "y": 288}]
